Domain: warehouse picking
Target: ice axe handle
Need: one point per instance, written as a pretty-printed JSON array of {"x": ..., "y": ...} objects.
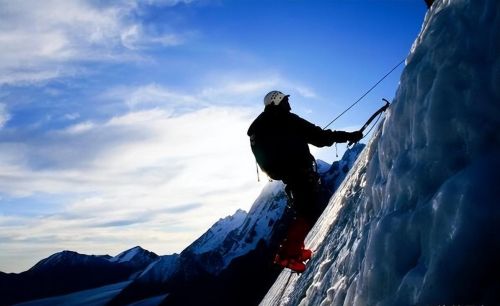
[{"x": 379, "y": 111}]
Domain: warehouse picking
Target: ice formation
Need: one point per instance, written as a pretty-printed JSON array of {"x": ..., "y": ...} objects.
[{"x": 416, "y": 221}]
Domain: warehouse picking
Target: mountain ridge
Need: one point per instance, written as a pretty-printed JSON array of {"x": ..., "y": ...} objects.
[{"x": 231, "y": 249}]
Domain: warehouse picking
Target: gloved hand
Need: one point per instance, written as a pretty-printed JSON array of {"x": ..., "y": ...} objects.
[{"x": 355, "y": 136}]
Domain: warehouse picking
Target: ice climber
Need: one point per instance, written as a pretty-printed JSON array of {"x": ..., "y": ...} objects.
[{"x": 279, "y": 140}]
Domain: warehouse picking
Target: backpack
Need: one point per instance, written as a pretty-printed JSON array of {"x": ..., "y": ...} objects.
[
  {"x": 278, "y": 142},
  {"x": 269, "y": 155}
]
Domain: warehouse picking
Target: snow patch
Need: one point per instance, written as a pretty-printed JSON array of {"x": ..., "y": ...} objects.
[
  {"x": 95, "y": 297},
  {"x": 161, "y": 269}
]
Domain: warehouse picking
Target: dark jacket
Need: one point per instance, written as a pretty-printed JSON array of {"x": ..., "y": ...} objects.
[{"x": 279, "y": 141}]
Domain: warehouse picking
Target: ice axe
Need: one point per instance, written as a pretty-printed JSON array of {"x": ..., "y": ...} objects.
[{"x": 377, "y": 113}]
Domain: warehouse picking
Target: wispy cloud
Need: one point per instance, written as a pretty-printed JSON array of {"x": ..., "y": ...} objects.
[
  {"x": 152, "y": 95},
  {"x": 131, "y": 169},
  {"x": 4, "y": 115},
  {"x": 306, "y": 92},
  {"x": 227, "y": 90},
  {"x": 183, "y": 208},
  {"x": 135, "y": 37},
  {"x": 249, "y": 87},
  {"x": 164, "y": 135},
  {"x": 158, "y": 173},
  {"x": 44, "y": 40},
  {"x": 174, "y": 102}
]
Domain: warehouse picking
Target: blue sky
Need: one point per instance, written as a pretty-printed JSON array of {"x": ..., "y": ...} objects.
[{"x": 124, "y": 123}]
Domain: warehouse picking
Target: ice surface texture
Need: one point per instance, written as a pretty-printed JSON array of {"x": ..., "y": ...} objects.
[{"x": 418, "y": 219}]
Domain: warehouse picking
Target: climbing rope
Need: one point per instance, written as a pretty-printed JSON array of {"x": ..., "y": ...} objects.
[
  {"x": 366, "y": 93},
  {"x": 373, "y": 126},
  {"x": 365, "y": 134}
]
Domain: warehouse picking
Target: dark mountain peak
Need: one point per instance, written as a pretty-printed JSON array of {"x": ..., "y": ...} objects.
[
  {"x": 65, "y": 258},
  {"x": 136, "y": 257}
]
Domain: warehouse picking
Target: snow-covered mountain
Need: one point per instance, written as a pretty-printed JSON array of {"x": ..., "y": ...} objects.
[
  {"x": 136, "y": 257},
  {"x": 334, "y": 175},
  {"x": 239, "y": 234},
  {"x": 69, "y": 271},
  {"x": 416, "y": 221},
  {"x": 99, "y": 296},
  {"x": 207, "y": 267},
  {"x": 68, "y": 259},
  {"x": 232, "y": 256},
  {"x": 62, "y": 273},
  {"x": 213, "y": 238},
  {"x": 161, "y": 269}
]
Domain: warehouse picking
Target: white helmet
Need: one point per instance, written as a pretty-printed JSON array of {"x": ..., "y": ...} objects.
[{"x": 274, "y": 97}]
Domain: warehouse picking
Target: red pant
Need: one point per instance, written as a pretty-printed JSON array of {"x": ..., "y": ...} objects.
[{"x": 302, "y": 190}]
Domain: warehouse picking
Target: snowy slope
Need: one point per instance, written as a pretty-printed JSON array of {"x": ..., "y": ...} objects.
[
  {"x": 161, "y": 269},
  {"x": 259, "y": 223},
  {"x": 239, "y": 234},
  {"x": 234, "y": 254},
  {"x": 335, "y": 175},
  {"x": 416, "y": 221},
  {"x": 95, "y": 297},
  {"x": 136, "y": 257},
  {"x": 62, "y": 273},
  {"x": 215, "y": 236},
  {"x": 236, "y": 235}
]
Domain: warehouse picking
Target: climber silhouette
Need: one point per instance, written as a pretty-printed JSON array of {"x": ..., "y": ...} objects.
[{"x": 279, "y": 140}]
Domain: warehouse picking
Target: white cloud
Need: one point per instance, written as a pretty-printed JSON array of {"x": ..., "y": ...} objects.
[
  {"x": 135, "y": 38},
  {"x": 227, "y": 90},
  {"x": 230, "y": 90},
  {"x": 240, "y": 87},
  {"x": 166, "y": 2},
  {"x": 306, "y": 92},
  {"x": 158, "y": 175},
  {"x": 4, "y": 115},
  {"x": 41, "y": 39},
  {"x": 71, "y": 116},
  {"x": 131, "y": 171},
  {"x": 152, "y": 95},
  {"x": 79, "y": 128}
]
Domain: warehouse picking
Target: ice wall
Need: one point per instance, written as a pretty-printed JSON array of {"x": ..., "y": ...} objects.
[{"x": 418, "y": 219}]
